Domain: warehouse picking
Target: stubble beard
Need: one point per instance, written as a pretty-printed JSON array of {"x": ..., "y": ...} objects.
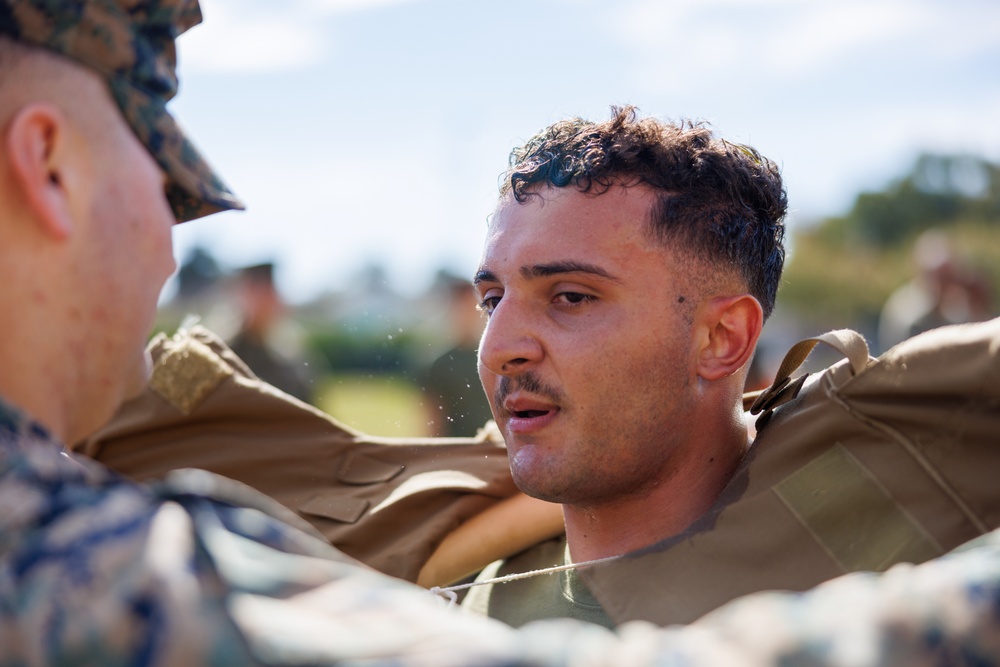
[{"x": 610, "y": 459}]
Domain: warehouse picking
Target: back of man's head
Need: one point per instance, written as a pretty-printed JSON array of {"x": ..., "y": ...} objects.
[
  {"x": 94, "y": 173},
  {"x": 722, "y": 202},
  {"x": 129, "y": 44}
]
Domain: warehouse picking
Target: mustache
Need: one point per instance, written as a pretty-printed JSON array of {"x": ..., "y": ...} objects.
[{"x": 527, "y": 382}]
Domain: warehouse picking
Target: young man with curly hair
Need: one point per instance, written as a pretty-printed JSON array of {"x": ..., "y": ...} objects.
[{"x": 627, "y": 272}]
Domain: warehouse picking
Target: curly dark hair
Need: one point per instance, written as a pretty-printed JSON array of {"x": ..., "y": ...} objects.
[{"x": 721, "y": 201}]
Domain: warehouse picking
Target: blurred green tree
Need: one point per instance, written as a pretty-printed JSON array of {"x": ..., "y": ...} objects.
[{"x": 841, "y": 270}]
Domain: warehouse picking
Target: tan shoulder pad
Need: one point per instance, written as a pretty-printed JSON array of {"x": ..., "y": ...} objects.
[{"x": 186, "y": 371}]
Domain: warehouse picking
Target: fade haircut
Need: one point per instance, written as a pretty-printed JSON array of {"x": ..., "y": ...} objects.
[
  {"x": 12, "y": 55},
  {"x": 31, "y": 73},
  {"x": 722, "y": 202},
  {"x": 18, "y": 59}
]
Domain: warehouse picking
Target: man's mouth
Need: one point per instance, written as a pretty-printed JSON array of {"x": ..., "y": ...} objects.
[
  {"x": 527, "y": 407},
  {"x": 528, "y": 414},
  {"x": 528, "y": 417}
]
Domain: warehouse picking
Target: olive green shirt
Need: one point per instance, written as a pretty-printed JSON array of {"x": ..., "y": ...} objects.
[{"x": 554, "y": 595}]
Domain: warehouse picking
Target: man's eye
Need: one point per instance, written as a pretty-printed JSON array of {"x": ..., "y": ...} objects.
[
  {"x": 574, "y": 298},
  {"x": 489, "y": 304}
]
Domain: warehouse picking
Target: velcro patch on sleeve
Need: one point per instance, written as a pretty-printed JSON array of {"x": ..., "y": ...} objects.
[{"x": 188, "y": 372}]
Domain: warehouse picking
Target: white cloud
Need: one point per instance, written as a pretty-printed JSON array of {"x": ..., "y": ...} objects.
[
  {"x": 969, "y": 33},
  {"x": 259, "y": 36},
  {"x": 688, "y": 46},
  {"x": 844, "y": 30},
  {"x": 825, "y": 33},
  {"x": 240, "y": 37}
]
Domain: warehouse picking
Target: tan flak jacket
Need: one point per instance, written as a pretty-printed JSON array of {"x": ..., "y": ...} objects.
[{"x": 389, "y": 502}]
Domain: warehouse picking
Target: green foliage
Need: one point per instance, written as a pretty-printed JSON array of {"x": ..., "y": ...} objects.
[
  {"x": 939, "y": 191},
  {"x": 346, "y": 350},
  {"x": 841, "y": 271}
]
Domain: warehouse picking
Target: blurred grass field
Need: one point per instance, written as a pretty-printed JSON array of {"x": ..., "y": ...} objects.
[{"x": 377, "y": 404}]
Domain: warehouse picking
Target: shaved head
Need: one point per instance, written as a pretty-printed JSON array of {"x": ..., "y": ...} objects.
[{"x": 31, "y": 74}]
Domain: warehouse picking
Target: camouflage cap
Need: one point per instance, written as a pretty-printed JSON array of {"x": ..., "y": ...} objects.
[{"x": 130, "y": 43}]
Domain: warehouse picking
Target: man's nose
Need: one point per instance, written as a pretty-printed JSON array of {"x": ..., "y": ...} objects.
[{"x": 510, "y": 342}]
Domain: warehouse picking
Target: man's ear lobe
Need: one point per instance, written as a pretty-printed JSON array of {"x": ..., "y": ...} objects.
[
  {"x": 733, "y": 324},
  {"x": 37, "y": 148}
]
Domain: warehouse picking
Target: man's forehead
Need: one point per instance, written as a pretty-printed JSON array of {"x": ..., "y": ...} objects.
[
  {"x": 614, "y": 203},
  {"x": 552, "y": 218},
  {"x": 604, "y": 237}
]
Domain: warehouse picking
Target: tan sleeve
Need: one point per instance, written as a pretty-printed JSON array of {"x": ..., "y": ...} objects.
[{"x": 387, "y": 502}]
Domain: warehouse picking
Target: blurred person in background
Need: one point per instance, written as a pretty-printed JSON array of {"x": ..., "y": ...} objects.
[
  {"x": 944, "y": 290},
  {"x": 267, "y": 340},
  {"x": 453, "y": 395}
]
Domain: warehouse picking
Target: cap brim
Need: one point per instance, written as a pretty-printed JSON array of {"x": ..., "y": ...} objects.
[{"x": 193, "y": 188}]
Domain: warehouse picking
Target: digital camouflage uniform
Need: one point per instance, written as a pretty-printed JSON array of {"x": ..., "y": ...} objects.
[
  {"x": 98, "y": 570},
  {"x": 196, "y": 570}
]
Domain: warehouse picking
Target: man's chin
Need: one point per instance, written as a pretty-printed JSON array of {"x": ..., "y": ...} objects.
[{"x": 539, "y": 485}]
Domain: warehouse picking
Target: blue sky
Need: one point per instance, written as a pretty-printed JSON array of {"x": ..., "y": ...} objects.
[{"x": 365, "y": 131}]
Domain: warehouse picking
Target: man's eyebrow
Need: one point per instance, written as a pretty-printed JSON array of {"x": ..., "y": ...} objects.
[
  {"x": 556, "y": 268},
  {"x": 550, "y": 269},
  {"x": 484, "y": 276}
]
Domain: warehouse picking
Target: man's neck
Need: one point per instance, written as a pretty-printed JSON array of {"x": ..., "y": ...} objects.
[
  {"x": 38, "y": 358},
  {"x": 635, "y": 521}
]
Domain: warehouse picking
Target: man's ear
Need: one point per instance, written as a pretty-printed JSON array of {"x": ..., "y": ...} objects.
[
  {"x": 733, "y": 324},
  {"x": 37, "y": 145}
]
